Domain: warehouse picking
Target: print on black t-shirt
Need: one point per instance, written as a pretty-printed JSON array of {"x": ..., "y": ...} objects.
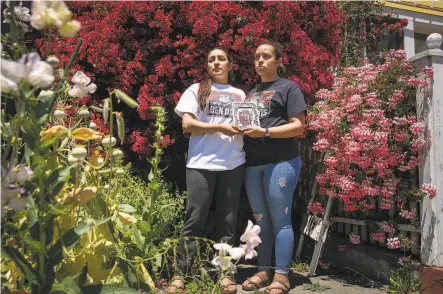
[
  {"x": 263, "y": 100},
  {"x": 281, "y": 101}
]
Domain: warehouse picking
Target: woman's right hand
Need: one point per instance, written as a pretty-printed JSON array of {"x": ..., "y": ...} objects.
[{"x": 230, "y": 130}]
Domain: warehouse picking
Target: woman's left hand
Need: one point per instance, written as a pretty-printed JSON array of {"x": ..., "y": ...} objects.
[{"x": 254, "y": 132}]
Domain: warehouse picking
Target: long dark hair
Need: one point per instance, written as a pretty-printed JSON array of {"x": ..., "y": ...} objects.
[
  {"x": 205, "y": 86},
  {"x": 278, "y": 51}
]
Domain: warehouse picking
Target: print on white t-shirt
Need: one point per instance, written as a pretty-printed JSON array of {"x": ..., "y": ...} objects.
[{"x": 214, "y": 151}]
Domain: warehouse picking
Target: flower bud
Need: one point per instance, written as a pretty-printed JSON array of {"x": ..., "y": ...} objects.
[
  {"x": 106, "y": 110},
  {"x": 109, "y": 142},
  {"x": 53, "y": 61},
  {"x": 84, "y": 113},
  {"x": 59, "y": 114},
  {"x": 92, "y": 126},
  {"x": 79, "y": 152},
  {"x": 72, "y": 160},
  {"x": 46, "y": 94},
  {"x": 117, "y": 153}
]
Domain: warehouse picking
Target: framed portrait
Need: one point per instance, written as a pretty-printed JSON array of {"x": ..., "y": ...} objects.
[{"x": 245, "y": 115}]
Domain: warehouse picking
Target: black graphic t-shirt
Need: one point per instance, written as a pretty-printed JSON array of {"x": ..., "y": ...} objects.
[{"x": 277, "y": 103}]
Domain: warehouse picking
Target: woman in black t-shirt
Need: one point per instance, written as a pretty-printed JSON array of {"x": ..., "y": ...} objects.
[{"x": 273, "y": 166}]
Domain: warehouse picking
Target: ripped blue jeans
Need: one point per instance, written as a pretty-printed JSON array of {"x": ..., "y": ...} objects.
[{"x": 270, "y": 191}]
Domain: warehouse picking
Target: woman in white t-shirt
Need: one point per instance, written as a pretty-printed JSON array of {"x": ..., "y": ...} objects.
[{"x": 216, "y": 162}]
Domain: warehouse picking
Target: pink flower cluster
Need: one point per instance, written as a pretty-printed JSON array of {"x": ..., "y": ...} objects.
[
  {"x": 379, "y": 237},
  {"x": 406, "y": 214},
  {"x": 368, "y": 130},
  {"x": 354, "y": 239},
  {"x": 393, "y": 243},
  {"x": 388, "y": 227},
  {"x": 430, "y": 190}
]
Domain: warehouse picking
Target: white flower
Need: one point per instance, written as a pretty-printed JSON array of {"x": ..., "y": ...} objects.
[
  {"x": 12, "y": 73},
  {"x": 38, "y": 72},
  {"x": 83, "y": 85},
  {"x": 35, "y": 71},
  {"x": 20, "y": 174},
  {"x": 8, "y": 85},
  {"x": 224, "y": 262},
  {"x": 22, "y": 13},
  {"x": 236, "y": 252},
  {"x": 70, "y": 29},
  {"x": 250, "y": 236},
  {"x": 250, "y": 253},
  {"x": 222, "y": 248},
  {"x": 48, "y": 13},
  {"x": 81, "y": 78}
]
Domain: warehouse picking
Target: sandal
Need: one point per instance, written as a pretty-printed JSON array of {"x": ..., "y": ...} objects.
[
  {"x": 176, "y": 288},
  {"x": 252, "y": 285},
  {"x": 224, "y": 286},
  {"x": 283, "y": 287}
]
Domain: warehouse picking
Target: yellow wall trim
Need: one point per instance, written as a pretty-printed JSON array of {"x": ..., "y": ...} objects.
[{"x": 434, "y": 7}]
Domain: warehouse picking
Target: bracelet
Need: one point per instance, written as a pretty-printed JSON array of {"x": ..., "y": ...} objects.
[{"x": 267, "y": 134}]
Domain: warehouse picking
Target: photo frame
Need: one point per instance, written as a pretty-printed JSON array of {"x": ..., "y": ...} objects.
[{"x": 245, "y": 115}]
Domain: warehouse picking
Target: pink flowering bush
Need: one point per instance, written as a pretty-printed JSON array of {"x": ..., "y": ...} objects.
[
  {"x": 394, "y": 243},
  {"x": 354, "y": 239},
  {"x": 379, "y": 237},
  {"x": 366, "y": 126}
]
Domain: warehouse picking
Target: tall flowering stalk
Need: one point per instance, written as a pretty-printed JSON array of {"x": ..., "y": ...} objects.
[{"x": 366, "y": 126}]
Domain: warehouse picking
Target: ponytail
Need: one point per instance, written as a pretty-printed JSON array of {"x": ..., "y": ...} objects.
[{"x": 203, "y": 93}]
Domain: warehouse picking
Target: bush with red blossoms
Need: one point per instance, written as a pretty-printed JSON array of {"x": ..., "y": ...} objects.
[
  {"x": 366, "y": 126},
  {"x": 154, "y": 50},
  {"x": 316, "y": 208}
]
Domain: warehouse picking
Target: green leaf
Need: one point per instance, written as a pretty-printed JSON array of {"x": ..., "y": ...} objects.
[
  {"x": 34, "y": 245},
  {"x": 158, "y": 230},
  {"x": 70, "y": 238},
  {"x": 58, "y": 179},
  {"x": 22, "y": 264},
  {"x": 49, "y": 229},
  {"x": 67, "y": 286},
  {"x": 144, "y": 227},
  {"x": 108, "y": 289},
  {"x": 126, "y": 208},
  {"x": 31, "y": 134},
  {"x": 43, "y": 108}
]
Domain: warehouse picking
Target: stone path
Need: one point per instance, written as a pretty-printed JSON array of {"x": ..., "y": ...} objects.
[{"x": 339, "y": 283}]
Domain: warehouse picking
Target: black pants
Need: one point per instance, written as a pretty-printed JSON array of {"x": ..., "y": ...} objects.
[{"x": 202, "y": 187}]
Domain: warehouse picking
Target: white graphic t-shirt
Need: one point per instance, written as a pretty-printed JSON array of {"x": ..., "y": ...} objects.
[{"x": 216, "y": 151}]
